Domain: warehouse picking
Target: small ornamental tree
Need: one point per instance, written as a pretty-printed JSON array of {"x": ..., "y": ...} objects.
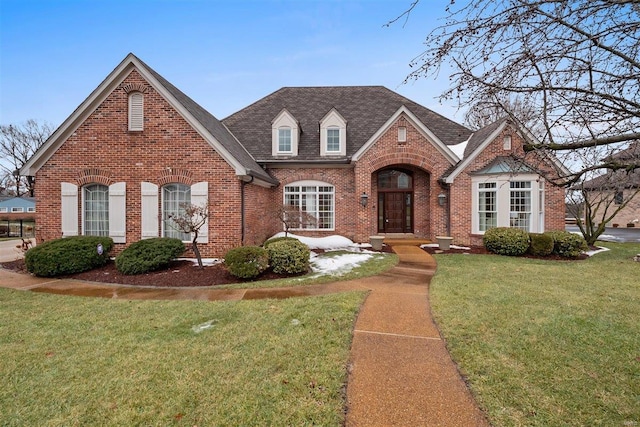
[
  {"x": 191, "y": 219},
  {"x": 292, "y": 216}
]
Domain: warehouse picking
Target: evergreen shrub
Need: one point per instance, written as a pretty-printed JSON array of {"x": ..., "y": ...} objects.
[
  {"x": 148, "y": 255},
  {"x": 68, "y": 255},
  {"x": 567, "y": 244},
  {"x": 541, "y": 244},
  {"x": 247, "y": 262},
  {"x": 506, "y": 241},
  {"x": 288, "y": 256}
]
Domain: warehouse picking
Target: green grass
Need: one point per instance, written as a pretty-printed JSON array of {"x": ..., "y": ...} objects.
[
  {"x": 71, "y": 361},
  {"x": 545, "y": 343}
]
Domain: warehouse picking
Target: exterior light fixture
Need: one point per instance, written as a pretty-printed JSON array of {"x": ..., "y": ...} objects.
[
  {"x": 441, "y": 199},
  {"x": 364, "y": 199}
]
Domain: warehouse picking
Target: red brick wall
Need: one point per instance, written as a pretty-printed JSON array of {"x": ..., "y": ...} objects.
[
  {"x": 461, "y": 192},
  {"x": 168, "y": 150},
  {"x": 417, "y": 154}
]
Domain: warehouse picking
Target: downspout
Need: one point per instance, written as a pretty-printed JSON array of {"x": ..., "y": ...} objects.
[{"x": 242, "y": 214}]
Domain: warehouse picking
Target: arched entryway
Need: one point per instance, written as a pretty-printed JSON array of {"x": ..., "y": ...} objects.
[{"x": 395, "y": 201}]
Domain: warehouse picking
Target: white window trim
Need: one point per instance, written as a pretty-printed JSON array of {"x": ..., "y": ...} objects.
[
  {"x": 402, "y": 134},
  {"x": 316, "y": 184},
  {"x": 503, "y": 200},
  {"x": 83, "y": 211},
  {"x": 31, "y": 210},
  {"x": 4, "y": 210},
  {"x": 284, "y": 120},
  {"x": 17, "y": 210},
  {"x": 136, "y": 111},
  {"x": 332, "y": 120}
]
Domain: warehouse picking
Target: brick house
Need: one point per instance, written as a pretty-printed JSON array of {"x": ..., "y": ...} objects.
[
  {"x": 620, "y": 187},
  {"x": 362, "y": 161}
]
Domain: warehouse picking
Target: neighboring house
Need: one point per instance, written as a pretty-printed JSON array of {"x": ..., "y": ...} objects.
[
  {"x": 620, "y": 187},
  {"x": 17, "y": 207},
  {"x": 16, "y": 216},
  {"x": 361, "y": 160}
]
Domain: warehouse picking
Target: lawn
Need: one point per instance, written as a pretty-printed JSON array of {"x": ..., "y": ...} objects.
[
  {"x": 87, "y": 361},
  {"x": 545, "y": 343}
]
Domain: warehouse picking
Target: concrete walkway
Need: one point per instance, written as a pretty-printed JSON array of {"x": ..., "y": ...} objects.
[{"x": 400, "y": 373}]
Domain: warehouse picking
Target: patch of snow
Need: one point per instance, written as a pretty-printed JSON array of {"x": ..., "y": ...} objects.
[
  {"x": 324, "y": 243},
  {"x": 338, "y": 265},
  {"x": 201, "y": 327},
  {"x": 205, "y": 261},
  {"x": 609, "y": 238},
  {"x": 458, "y": 149},
  {"x": 599, "y": 249},
  {"x": 435, "y": 245}
]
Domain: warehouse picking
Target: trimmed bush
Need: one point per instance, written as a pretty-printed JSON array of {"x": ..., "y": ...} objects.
[
  {"x": 506, "y": 241},
  {"x": 568, "y": 245},
  {"x": 148, "y": 255},
  {"x": 68, "y": 255},
  {"x": 278, "y": 239},
  {"x": 541, "y": 244},
  {"x": 247, "y": 262},
  {"x": 288, "y": 256}
]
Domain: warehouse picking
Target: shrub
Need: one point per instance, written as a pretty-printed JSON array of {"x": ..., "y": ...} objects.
[
  {"x": 506, "y": 241},
  {"x": 247, "y": 262},
  {"x": 288, "y": 256},
  {"x": 278, "y": 239},
  {"x": 566, "y": 244},
  {"x": 68, "y": 255},
  {"x": 148, "y": 255},
  {"x": 541, "y": 244}
]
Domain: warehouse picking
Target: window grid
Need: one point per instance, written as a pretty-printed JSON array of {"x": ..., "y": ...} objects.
[
  {"x": 96, "y": 210},
  {"x": 174, "y": 198},
  {"x": 15, "y": 210},
  {"x": 333, "y": 139},
  {"x": 487, "y": 206},
  {"x": 520, "y": 210},
  {"x": 317, "y": 201},
  {"x": 284, "y": 140}
]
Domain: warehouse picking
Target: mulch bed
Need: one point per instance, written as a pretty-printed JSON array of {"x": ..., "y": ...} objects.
[
  {"x": 180, "y": 273},
  {"x": 184, "y": 273}
]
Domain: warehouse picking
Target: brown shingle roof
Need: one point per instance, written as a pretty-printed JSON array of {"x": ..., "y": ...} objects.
[{"x": 365, "y": 108}]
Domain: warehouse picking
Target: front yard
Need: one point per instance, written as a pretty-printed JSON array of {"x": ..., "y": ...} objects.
[
  {"x": 542, "y": 343},
  {"x": 545, "y": 343}
]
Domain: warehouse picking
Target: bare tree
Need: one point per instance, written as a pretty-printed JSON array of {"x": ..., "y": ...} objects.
[
  {"x": 486, "y": 111},
  {"x": 601, "y": 195},
  {"x": 577, "y": 62},
  {"x": 17, "y": 145},
  {"x": 292, "y": 217},
  {"x": 191, "y": 219}
]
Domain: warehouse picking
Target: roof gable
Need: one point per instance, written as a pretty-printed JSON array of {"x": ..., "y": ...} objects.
[{"x": 212, "y": 130}]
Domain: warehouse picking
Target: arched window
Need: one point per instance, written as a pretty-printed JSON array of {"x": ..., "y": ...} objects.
[
  {"x": 136, "y": 111},
  {"x": 174, "y": 199},
  {"x": 95, "y": 210}
]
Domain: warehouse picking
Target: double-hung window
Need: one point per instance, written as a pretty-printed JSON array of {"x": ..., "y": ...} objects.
[
  {"x": 174, "y": 199},
  {"x": 520, "y": 205},
  {"x": 487, "y": 206},
  {"x": 315, "y": 202},
  {"x": 284, "y": 140},
  {"x": 333, "y": 140},
  {"x": 507, "y": 200},
  {"x": 95, "y": 210}
]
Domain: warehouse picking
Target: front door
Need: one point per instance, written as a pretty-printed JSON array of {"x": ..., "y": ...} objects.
[{"x": 395, "y": 201}]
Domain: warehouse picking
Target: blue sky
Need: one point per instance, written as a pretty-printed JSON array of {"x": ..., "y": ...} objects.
[{"x": 223, "y": 54}]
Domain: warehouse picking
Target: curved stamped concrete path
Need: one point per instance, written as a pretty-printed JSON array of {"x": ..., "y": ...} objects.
[{"x": 400, "y": 373}]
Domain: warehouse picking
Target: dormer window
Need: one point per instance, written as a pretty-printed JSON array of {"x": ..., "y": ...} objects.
[
  {"x": 284, "y": 140},
  {"x": 285, "y": 135},
  {"x": 136, "y": 111},
  {"x": 333, "y": 140},
  {"x": 333, "y": 134}
]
